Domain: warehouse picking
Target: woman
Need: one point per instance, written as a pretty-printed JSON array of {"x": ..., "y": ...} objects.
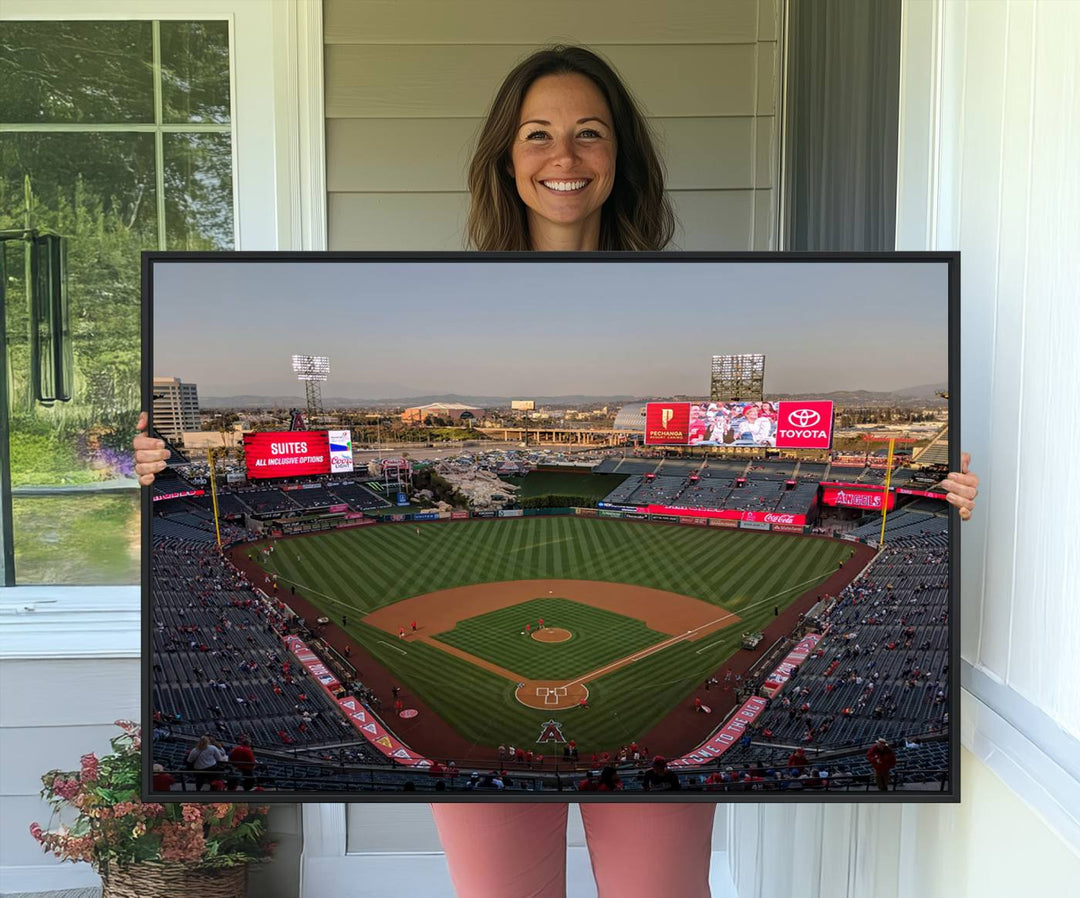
[
  {"x": 206, "y": 758},
  {"x": 565, "y": 162}
]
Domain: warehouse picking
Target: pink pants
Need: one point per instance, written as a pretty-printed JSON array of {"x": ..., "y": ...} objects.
[{"x": 519, "y": 850}]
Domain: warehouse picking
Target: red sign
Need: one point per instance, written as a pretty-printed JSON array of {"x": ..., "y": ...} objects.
[
  {"x": 726, "y": 514},
  {"x": 289, "y": 453},
  {"x": 856, "y": 498},
  {"x": 667, "y": 423},
  {"x": 163, "y": 496},
  {"x": 904, "y": 491},
  {"x": 805, "y": 424},
  {"x": 358, "y": 713},
  {"x": 725, "y": 738},
  {"x": 312, "y": 662},
  {"x": 795, "y": 657},
  {"x": 335, "y": 509}
]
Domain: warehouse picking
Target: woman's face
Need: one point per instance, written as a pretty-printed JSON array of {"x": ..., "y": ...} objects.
[{"x": 563, "y": 154}]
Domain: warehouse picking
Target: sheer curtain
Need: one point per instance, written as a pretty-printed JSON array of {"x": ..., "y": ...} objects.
[{"x": 840, "y": 125}]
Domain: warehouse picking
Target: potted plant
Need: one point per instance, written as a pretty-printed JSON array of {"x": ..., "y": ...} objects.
[{"x": 144, "y": 849}]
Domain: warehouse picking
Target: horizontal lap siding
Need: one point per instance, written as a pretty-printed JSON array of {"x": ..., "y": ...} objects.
[
  {"x": 521, "y": 21},
  {"x": 408, "y": 83}
]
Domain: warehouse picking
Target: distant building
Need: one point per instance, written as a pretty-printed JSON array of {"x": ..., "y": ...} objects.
[
  {"x": 631, "y": 417},
  {"x": 523, "y": 405},
  {"x": 418, "y": 414},
  {"x": 176, "y": 408}
]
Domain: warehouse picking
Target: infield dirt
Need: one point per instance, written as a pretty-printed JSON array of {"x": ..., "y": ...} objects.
[{"x": 680, "y": 617}]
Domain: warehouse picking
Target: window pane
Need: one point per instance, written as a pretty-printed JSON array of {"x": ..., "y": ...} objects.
[
  {"x": 76, "y": 72},
  {"x": 79, "y": 540},
  {"x": 195, "y": 72},
  {"x": 198, "y": 192},
  {"x": 98, "y": 191}
]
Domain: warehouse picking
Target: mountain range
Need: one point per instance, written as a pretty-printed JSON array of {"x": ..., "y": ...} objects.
[{"x": 922, "y": 393}]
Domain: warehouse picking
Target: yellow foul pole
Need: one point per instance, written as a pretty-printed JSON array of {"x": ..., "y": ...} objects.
[
  {"x": 213, "y": 495},
  {"x": 885, "y": 496}
]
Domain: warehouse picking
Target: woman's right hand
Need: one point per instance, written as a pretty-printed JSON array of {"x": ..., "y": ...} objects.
[{"x": 150, "y": 453}]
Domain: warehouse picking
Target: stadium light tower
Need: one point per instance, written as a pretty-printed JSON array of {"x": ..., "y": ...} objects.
[
  {"x": 312, "y": 370},
  {"x": 737, "y": 377}
]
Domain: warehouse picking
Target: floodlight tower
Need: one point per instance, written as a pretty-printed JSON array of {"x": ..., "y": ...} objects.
[
  {"x": 312, "y": 370},
  {"x": 737, "y": 377}
]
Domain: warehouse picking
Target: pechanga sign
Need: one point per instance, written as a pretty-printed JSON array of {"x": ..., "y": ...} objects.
[
  {"x": 667, "y": 423},
  {"x": 290, "y": 453}
]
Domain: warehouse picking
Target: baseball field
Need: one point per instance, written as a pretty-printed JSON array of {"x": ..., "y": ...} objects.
[{"x": 635, "y": 615}]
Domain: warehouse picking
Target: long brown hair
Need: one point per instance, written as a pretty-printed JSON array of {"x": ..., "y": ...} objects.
[{"x": 637, "y": 214}]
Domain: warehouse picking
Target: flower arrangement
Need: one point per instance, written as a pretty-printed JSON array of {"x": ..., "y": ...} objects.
[{"x": 113, "y": 829}]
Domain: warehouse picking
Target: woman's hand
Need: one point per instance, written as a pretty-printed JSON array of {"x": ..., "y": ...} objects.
[
  {"x": 962, "y": 487},
  {"x": 150, "y": 454}
]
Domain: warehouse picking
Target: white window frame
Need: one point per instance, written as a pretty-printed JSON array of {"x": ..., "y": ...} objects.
[{"x": 279, "y": 204}]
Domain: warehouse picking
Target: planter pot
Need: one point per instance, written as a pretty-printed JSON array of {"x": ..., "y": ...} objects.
[{"x": 174, "y": 881}]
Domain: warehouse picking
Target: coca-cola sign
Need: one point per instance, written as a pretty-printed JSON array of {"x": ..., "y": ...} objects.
[
  {"x": 779, "y": 519},
  {"x": 805, "y": 424},
  {"x": 731, "y": 514}
]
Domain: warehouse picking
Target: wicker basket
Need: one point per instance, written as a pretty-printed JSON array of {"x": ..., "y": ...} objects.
[{"x": 149, "y": 880}]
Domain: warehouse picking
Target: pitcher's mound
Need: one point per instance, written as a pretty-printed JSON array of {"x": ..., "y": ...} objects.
[{"x": 552, "y": 634}]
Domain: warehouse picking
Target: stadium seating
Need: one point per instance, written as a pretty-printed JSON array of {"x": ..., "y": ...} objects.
[
  {"x": 880, "y": 671},
  {"x": 219, "y": 660},
  {"x": 267, "y": 501},
  {"x": 356, "y": 496}
]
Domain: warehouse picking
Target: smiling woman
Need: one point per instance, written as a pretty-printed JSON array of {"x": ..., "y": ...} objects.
[{"x": 565, "y": 161}]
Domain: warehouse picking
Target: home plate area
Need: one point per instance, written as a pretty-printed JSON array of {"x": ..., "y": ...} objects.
[{"x": 551, "y": 695}]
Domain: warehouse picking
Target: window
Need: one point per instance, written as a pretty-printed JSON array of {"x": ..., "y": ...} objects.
[{"x": 118, "y": 136}]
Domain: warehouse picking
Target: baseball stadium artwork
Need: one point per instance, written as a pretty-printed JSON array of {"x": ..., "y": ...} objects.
[{"x": 507, "y": 526}]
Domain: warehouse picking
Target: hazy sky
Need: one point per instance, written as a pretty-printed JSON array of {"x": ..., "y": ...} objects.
[{"x": 395, "y": 329}]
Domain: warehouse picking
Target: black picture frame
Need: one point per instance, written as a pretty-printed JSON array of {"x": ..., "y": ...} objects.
[{"x": 949, "y": 793}]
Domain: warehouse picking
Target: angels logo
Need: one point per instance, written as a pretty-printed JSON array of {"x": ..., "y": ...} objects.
[
  {"x": 552, "y": 732},
  {"x": 859, "y": 500}
]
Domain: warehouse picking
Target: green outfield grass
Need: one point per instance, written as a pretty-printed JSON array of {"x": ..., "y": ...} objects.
[
  {"x": 550, "y": 483},
  {"x": 599, "y": 637},
  {"x": 356, "y": 571}
]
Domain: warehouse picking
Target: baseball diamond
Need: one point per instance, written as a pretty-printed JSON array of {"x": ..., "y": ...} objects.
[{"x": 643, "y": 612}]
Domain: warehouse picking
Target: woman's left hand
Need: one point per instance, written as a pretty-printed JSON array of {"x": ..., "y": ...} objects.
[{"x": 962, "y": 487}]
